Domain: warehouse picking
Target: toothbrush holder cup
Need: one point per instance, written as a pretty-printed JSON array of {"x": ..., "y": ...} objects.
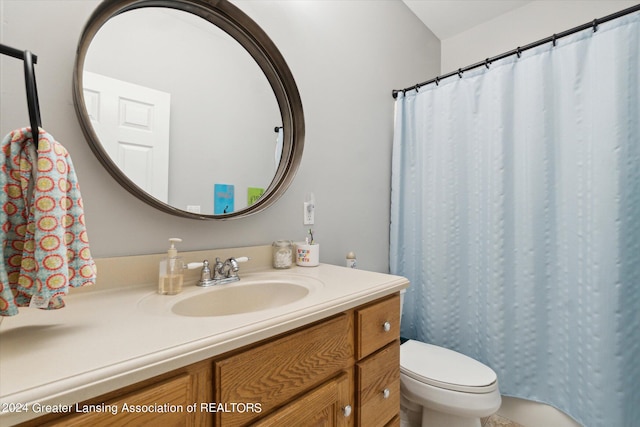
[{"x": 307, "y": 255}]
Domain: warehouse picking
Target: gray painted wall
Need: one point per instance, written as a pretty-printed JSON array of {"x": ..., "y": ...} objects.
[
  {"x": 346, "y": 57},
  {"x": 535, "y": 21}
]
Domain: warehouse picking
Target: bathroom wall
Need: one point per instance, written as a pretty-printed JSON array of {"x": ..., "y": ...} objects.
[
  {"x": 346, "y": 58},
  {"x": 534, "y": 21}
]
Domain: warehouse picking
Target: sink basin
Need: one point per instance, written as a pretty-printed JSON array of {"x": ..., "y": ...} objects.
[
  {"x": 240, "y": 299},
  {"x": 254, "y": 292}
]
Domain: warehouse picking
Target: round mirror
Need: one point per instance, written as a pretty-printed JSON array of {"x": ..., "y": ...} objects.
[{"x": 189, "y": 105}]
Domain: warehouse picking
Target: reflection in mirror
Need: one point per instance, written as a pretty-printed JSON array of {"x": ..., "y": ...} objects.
[
  {"x": 183, "y": 114},
  {"x": 179, "y": 122}
]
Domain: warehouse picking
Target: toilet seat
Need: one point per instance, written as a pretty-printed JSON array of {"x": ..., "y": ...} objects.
[{"x": 446, "y": 369}]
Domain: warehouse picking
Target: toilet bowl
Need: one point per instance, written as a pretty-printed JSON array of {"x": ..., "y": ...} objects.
[
  {"x": 448, "y": 388},
  {"x": 442, "y": 388}
]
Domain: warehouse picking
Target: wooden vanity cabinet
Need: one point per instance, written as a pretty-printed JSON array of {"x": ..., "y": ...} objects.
[{"x": 342, "y": 371}]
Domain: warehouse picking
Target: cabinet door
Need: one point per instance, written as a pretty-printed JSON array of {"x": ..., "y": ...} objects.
[
  {"x": 378, "y": 382},
  {"x": 172, "y": 396},
  {"x": 163, "y": 400},
  {"x": 323, "y": 406}
]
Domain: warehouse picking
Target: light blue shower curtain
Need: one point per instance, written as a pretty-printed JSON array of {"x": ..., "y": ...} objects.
[{"x": 516, "y": 216}]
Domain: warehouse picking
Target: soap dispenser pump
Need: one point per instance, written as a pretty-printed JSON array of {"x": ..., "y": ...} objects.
[{"x": 171, "y": 275}]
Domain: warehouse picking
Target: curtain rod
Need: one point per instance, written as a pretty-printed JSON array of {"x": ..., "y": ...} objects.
[{"x": 594, "y": 24}]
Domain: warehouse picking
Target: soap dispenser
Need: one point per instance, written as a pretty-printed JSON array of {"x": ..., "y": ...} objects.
[{"x": 171, "y": 276}]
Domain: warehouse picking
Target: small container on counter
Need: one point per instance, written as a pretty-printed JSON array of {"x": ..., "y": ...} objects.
[
  {"x": 282, "y": 251},
  {"x": 171, "y": 275},
  {"x": 351, "y": 260},
  {"x": 307, "y": 254}
]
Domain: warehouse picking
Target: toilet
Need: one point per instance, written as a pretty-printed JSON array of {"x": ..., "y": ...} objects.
[{"x": 442, "y": 388}]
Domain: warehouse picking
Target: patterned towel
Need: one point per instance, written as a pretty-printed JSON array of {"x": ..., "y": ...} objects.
[{"x": 45, "y": 248}]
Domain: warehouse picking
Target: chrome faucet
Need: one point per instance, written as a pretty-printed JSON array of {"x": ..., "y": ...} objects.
[{"x": 223, "y": 272}]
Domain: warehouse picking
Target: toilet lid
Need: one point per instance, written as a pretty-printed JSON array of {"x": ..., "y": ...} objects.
[{"x": 444, "y": 368}]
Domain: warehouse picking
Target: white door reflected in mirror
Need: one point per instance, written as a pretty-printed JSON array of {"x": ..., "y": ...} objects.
[{"x": 132, "y": 122}]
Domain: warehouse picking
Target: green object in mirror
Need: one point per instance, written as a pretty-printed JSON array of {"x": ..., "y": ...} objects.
[{"x": 175, "y": 96}]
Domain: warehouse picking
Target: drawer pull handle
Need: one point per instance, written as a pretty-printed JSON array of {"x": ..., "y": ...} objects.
[
  {"x": 346, "y": 411},
  {"x": 386, "y": 393},
  {"x": 386, "y": 326}
]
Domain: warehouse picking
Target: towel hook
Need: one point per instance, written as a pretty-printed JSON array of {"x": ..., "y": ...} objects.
[{"x": 32, "y": 96}]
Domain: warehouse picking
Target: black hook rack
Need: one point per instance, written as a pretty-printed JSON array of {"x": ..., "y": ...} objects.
[{"x": 33, "y": 104}]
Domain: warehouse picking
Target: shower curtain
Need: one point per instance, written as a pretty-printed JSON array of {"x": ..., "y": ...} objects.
[{"x": 515, "y": 213}]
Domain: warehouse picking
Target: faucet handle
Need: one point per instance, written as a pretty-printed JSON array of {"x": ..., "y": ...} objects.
[{"x": 192, "y": 265}]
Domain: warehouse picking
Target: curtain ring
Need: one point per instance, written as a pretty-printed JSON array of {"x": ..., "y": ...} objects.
[
  {"x": 554, "y": 40},
  {"x": 460, "y": 72},
  {"x": 595, "y": 25},
  {"x": 437, "y": 80},
  {"x": 487, "y": 63},
  {"x": 518, "y": 52},
  {"x": 417, "y": 87}
]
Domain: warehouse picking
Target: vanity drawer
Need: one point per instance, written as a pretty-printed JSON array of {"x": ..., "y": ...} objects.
[
  {"x": 378, "y": 382},
  {"x": 377, "y": 325},
  {"x": 273, "y": 373}
]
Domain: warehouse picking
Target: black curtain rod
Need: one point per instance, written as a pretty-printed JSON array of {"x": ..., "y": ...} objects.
[
  {"x": 16, "y": 53},
  {"x": 594, "y": 24}
]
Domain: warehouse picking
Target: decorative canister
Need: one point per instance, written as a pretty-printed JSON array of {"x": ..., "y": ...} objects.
[
  {"x": 307, "y": 255},
  {"x": 282, "y": 253},
  {"x": 351, "y": 260}
]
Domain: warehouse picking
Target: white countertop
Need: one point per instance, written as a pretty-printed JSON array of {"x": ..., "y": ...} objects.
[{"x": 105, "y": 340}]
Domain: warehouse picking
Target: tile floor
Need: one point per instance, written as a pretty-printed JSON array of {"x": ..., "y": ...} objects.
[
  {"x": 413, "y": 420},
  {"x": 498, "y": 421}
]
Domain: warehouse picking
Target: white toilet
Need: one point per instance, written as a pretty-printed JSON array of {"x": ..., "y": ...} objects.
[{"x": 442, "y": 388}]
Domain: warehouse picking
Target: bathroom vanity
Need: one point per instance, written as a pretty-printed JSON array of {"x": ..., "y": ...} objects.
[{"x": 331, "y": 357}]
